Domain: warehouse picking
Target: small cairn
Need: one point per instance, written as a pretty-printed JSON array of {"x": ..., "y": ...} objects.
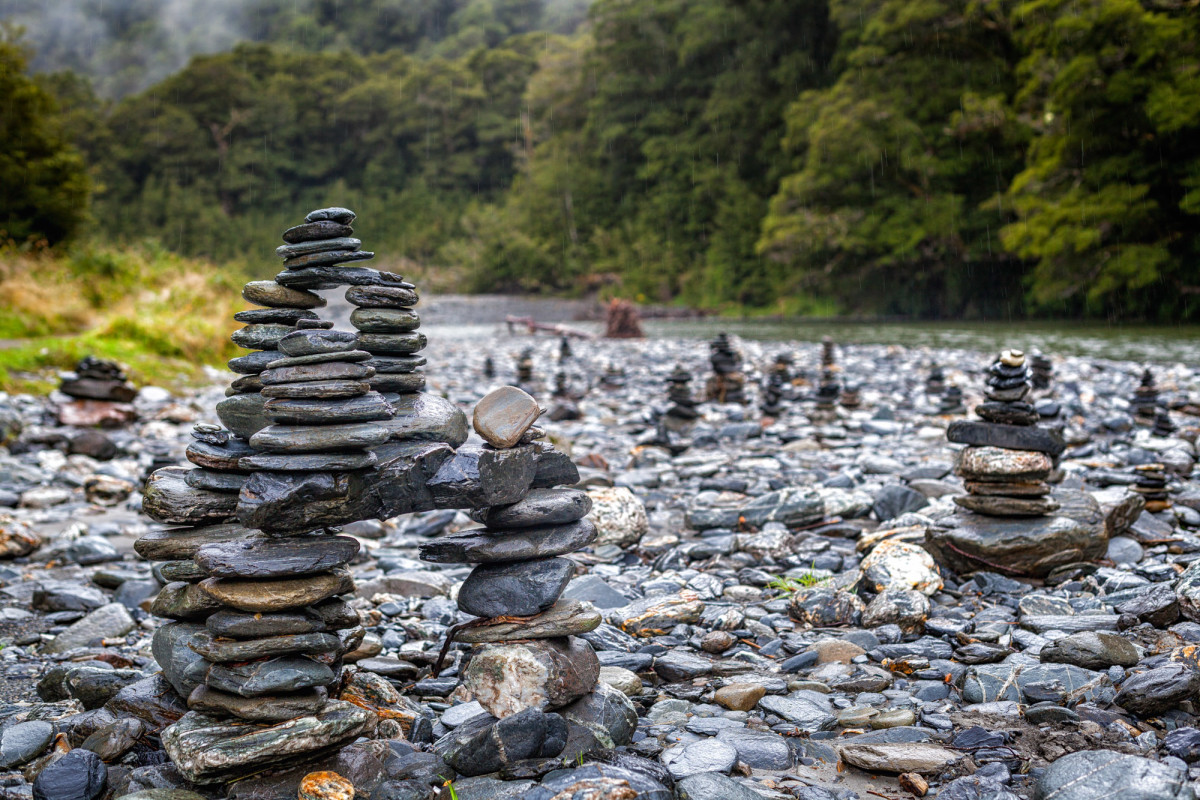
[
  {"x": 851, "y": 397},
  {"x": 98, "y": 379},
  {"x": 489, "y": 367},
  {"x": 683, "y": 405},
  {"x": 828, "y": 353},
  {"x": 522, "y": 628},
  {"x": 1145, "y": 398},
  {"x": 564, "y": 348},
  {"x": 612, "y": 378},
  {"x": 935, "y": 382},
  {"x": 564, "y": 407},
  {"x": 727, "y": 383},
  {"x": 829, "y": 390},
  {"x": 1151, "y": 484},
  {"x": 1042, "y": 369},
  {"x": 525, "y": 367},
  {"x": 1163, "y": 426},
  {"x": 773, "y": 393},
  {"x": 1008, "y": 458},
  {"x": 951, "y": 401}
]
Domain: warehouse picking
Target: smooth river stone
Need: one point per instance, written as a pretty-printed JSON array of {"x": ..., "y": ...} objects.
[
  {"x": 271, "y": 708},
  {"x": 243, "y": 414},
  {"x": 544, "y": 674},
  {"x": 311, "y": 231},
  {"x": 276, "y": 557},
  {"x": 315, "y": 462},
  {"x": 1024, "y": 489},
  {"x": 329, "y": 615},
  {"x": 279, "y": 316},
  {"x": 292, "y": 250},
  {"x": 1012, "y": 545},
  {"x": 214, "y": 481},
  {"x": 482, "y": 476},
  {"x": 347, "y": 356},
  {"x": 322, "y": 439},
  {"x": 167, "y": 498},
  {"x": 317, "y": 390},
  {"x": 370, "y": 407},
  {"x": 409, "y": 383},
  {"x": 564, "y": 618},
  {"x": 519, "y": 589},
  {"x": 260, "y": 337},
  {"x": 483, "y": 546},
  {"x": 220, "y": 651},
  {"x": 274, "y": 295},
  {"x": 503, "y": 416},
  {"x": 999, "y": 464},
  {"x": 318, "y": 373},
  {"x": 244, "y": 385},
  {"x": 428, "y": 418},
  {"x": 999, "y": 506},
  {"x": 183, "y": 601},
  {"x": 1012, "y": 437},
  {"x": 328, "y": 277},
  {"x": 327, "y": 258},
  {"x": 338, "y": 214},
  {"x": 385, "y": 320},
  {"x": 279, "y": 594},
  {"x": 223, "y": 458},
  {"x": 311, "y": 342},
  {"x": 387, "y": 343},
  {"x": 171, "y": 571},
  {"x": 286, "y": 502},
  {"x": 212, "y": 749},
  {"x": 381, "y": 297},
  {"x": 253, "y": 363},
  {"x": 539, "y": 507},
  {"x": 393, "y": 365},
  {"x": 271, "y": 676},
  {"x": 178, "y": 544}
]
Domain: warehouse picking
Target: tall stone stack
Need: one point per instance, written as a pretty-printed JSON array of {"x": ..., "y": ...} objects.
[
  {"x": 1151, "y": 484},
  {"x": 253, "y": 581},
  {"x": 1043, "y": 371},
  {"x": 1008, "y": 457},
  {"x": 387, "y": 329},
  {"x": 1144, "y": 402},
  {"x": 727, "y": 384},
  {"x": 683, "y": 406},
  {"x": 951, "y": 401},
  {"x": 527, "y": 659},
  {"x": 1163, "y": 426}
]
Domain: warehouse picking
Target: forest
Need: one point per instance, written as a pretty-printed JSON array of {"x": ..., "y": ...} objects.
[{"x": 903, "y": 158}]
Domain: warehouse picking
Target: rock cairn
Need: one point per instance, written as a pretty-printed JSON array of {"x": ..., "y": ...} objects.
[
  {"x": 951, "y": 401},
  {"x": 829, "y": 390},
  {"x": 527, "y": 659},
  {"x": 254, "y": 573},
  {"x": 489, "y": 367},
  {"x": 98, "y": 379},
  {"x": 683, "y": 406},
  {"x": 1144, "y": 403},
  {"x": 1151, "y": 484},
  {"x": 524, "y": 363},
  {"x": 1008, "y": 458},
  {"x": 828, "y": 353},
  {"x": 1042, "y": 370},
  {"x": 564, "y": 348},
  {"x": 1163, "y": 426},
  {"x": 851, "y": 397},
  {"x": 612, "y": 378},
  {"x": 727, "y": 383},
  {"x": 935, "y": 382}
]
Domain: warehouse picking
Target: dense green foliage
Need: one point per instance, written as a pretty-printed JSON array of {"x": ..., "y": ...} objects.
[
  {"x": 916, "y": 157},
  {"x": 45, "y": 188}
]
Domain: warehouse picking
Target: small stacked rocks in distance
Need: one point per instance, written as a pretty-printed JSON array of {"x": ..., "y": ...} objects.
[
  {"x": 613, "y": 377},
  {"x": 727, "y": 384},
  {"x": 1163, "y": 426},
  {"x": 951, "y": 401},
  {"x": 564, "y": 348},
  {"x": 489, "y": 367},
  {"x": 523, "y": 629},
  {"x": 828, "y": 353},
  {"x": 98, "y": 379},
  {"x": 773, "y": 394},
  {"x": 851, "y": 396},
  {"x": 679, "y": 392},
  {"x": 564, "y": 407},
  {"x": 1145, "y": 398},
  {"x": 525, "y": 367},
  {"x": 1008, "y": 457},
  {"x": 829, "y": 390},
  {"x": 1151, "y": 484},
  {"x": 1043, "y": 371},
  {"x": 935, "y": 383}
]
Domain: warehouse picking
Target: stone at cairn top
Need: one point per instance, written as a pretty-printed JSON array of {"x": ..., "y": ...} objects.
[{"x": 504, "y": 416}]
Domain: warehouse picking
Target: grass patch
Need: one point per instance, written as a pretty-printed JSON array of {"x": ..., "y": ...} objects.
[{"x": 162, "y": 316}]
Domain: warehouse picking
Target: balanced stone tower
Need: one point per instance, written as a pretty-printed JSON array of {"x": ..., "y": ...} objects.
[
  {"x": 683, "y": 406},
  {"x": 1009, "y": 523},
  {"x": 935, "y": 382},
  {"x": 1151, "y": 484},
  {"x": 1144, "y": 402},
  {"x": 727, "y": 384},
  {"x": 316, "y": 436},
  {"x": 951, "y": 401},
  {"x": 1163, "y": 426},
  {"x": 1043, "y": 371}
]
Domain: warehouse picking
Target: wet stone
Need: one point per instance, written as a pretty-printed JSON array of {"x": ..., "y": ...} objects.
[
  {"x": 369, "y": 407},
  {"x": 312, "y": 462},
  {"x": 269, "y": 677},
  {"x": 78, "y": 775},
  {"x": 392, "y": 343},
  {"x": 167, "y": 498},
  {"x": 381, "y": 296},
  {"x": 327, "y": 438},
  {"x": 276, "y": 558},
  {"x": 518, "y": 589},
  {"x": 278, "y": 594},
  {"x": 1099, "y": 774},
  {"x": 253, "y": 363},
  {"x": 23, "y": 742},
  {"x": 1091, "y": 650},
  {"x": 214, "y": 481},
  {"x": 538, "y": 507},
  {"x": 385, "y": 320},
  {"x": 321, "y": 372},
  {"x": 278, "y": 316},
  {"x": 293, "y": 250},
  {"x": 319, "y": 229},
  {"x": 267, "y": 708},
  {"x": 314, "y": 342},
  {"x": 564, "y": 618},
  {"x": 283, "y": 502},
  {"x": 346, "y": 356},
  {"x": 324, "y": 259},
  {"x": 182, "y": 666},
  {"x": 484, "y": 745},
  {"x": 274, "y": 295},
  {"x": 485, "y": 546},
  {"x": 1012, "y": 437},
  {"x": 220, "y": 650},
  {"x": 222, "y": 458},
  {"x": 336, "y": 214},
  {"x": 243, "y": 414},
  {"x": 183, "y": 601},
  {"x": 323, "y": 390},
  {"x": 332, "y": 614},
  {"x": 395, "y": 365},
  {"x": 545, "y": 674},
  {"x": 401, "y": 384},
  {"x": 331, "y": 277},
  {"x": 260, "y": 336},
  {"x": 174, "y": 544}
]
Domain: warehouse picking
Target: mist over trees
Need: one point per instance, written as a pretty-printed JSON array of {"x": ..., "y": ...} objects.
[{"x": 934, "y": 158}]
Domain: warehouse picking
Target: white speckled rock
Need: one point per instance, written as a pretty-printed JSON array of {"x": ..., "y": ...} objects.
[
  {"x": 895, "y": 564},
  {"x": 620, "y": 517}
]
